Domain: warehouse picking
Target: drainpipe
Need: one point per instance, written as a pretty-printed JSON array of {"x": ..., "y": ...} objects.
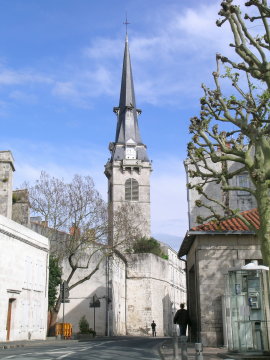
[
  {"x": 107, "y": 327},
  {"x": 198, "y": 335}
]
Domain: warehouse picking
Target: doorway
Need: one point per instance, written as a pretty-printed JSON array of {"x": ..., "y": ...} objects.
[{"x": 9, "y": 316}]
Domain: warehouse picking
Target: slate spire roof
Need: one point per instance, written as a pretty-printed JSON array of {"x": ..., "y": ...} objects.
[
  {"x": 127, "y": 126},
  {"x": 127, "y": 131}
]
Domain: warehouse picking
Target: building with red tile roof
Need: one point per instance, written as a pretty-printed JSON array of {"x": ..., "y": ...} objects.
[{"x": 211, "y": 249}]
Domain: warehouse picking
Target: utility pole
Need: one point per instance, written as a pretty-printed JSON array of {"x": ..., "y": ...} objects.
[{"x": 64, "y": 299}]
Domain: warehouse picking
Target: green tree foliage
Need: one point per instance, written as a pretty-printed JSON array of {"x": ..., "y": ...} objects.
[
  {"x": 55, "y": 274},
  {"x": 235, "y": 128},
  {"x": 145, "y": 245},
  {"x": 84, "y": 325}
]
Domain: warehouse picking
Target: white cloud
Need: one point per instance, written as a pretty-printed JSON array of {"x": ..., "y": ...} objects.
[
  {"x": 32, "y": 158},
  {"x": 169, "y": 63},
  {"x": 169, "y": 198},
  {"x": 19, "y": 77},
  {"x": 104, "y": 48},
  {"x": 23, "y": 96}
]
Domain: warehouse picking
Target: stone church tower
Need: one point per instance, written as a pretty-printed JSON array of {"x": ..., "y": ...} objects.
[{"x": 128, "y": 170}]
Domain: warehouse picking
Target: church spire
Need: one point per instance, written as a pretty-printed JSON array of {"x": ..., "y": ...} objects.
[{"x": 127, "y": 131}]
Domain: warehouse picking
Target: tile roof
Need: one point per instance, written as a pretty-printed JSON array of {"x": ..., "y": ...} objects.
[{"x": 232, "y": 224}]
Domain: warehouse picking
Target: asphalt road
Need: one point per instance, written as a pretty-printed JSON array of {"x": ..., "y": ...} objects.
[{"x": 120, "y": 348}]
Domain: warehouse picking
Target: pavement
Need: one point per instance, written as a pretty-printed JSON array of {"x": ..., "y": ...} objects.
[{"x": 167, "y": 351}]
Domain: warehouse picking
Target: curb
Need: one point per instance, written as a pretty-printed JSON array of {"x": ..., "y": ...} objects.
[
  {"x": 4, "y": 346},
  {"x": 11, "y": 346}
]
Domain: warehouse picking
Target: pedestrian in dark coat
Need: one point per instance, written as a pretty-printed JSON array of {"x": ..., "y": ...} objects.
[
  {"x": 153, "y": 326},
  {"x": 182, "y": 319}
]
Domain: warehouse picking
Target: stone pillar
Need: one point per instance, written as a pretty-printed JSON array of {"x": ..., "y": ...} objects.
[{"x": 6, "y": 174}]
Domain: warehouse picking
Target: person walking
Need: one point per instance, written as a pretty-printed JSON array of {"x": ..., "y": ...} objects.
[
  {"x": 153, "y": 326},
  {"x": 182, "y": 319}
]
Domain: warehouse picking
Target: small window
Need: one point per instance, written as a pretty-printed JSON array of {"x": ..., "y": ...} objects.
[
  {"x": 132, "y": 190},
  {"x": 243, "y": 181}
]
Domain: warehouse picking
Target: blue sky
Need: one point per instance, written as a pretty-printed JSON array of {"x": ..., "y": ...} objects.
[{"x": 60, "y": 72}]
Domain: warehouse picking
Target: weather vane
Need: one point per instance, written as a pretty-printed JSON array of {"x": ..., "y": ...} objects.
[{"x": 126, "y": 23}]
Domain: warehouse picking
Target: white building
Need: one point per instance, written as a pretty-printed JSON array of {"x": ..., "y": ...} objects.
[{"x": 23, "y": 269}]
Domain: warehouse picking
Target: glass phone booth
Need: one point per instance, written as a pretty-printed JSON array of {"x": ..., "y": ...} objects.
[{"x": 247, "y": 312}]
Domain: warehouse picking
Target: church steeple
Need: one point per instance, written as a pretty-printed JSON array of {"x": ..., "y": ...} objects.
[
  {"x": 128, "y": 170},
  {"x": 127, "y": 139}
]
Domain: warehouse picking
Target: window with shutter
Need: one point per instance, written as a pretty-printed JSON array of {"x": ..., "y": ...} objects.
[{"x": 131, "y": 190}]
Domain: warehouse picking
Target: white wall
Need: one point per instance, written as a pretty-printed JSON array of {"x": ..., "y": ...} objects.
[
  {"x": 81, "y": 295},
  {"x": 117, "y": 305},
  {"x": 23, "y": 278},
  {"x": 155, "y": 289}
]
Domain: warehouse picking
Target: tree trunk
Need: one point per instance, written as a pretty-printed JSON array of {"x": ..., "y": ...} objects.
[
  {"x": 263, "y": 202},
  {"x": 53, "y": 317}
]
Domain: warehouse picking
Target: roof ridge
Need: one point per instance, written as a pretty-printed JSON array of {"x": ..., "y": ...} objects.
[{"x": 232, "y": 223}]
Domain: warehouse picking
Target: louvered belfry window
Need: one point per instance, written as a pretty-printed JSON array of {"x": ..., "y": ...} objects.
[{"x": 131, "y": 190}]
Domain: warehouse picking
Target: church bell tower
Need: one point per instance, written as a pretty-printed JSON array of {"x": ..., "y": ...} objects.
[{"x": 128, "y": 170}]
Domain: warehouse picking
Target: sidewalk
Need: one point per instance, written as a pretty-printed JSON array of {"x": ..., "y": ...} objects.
[
  {"x": 167, "y": 351},
  {"x": 24, "y": 343}
]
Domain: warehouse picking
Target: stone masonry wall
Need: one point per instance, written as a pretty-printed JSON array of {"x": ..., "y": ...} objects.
[
  {"x": 214, "y": 255},
  {"x": 237, "y": 199},
  {"x": 6, "y": 174},
  {"x": 152, "y": 294}
]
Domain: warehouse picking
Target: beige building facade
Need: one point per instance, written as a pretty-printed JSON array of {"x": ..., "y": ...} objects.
[{"x": 210, "y": 252}]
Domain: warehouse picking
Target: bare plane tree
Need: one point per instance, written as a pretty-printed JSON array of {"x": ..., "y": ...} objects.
[
  {"x": 76, "y": 222},
  {"x": 236, "y": 128}
]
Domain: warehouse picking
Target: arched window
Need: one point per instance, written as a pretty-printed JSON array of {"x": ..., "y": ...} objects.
[{"x": 131, "y": 190}]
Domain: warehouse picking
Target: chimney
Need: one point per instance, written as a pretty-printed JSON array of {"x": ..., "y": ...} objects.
[
  {"x": 74, "y": 231},
  {"x": 6, "y": 174}
]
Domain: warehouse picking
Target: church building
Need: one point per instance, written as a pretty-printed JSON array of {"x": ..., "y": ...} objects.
[
  {"x": 132, "y": 289},
  {"x": 128, "y": 171}
]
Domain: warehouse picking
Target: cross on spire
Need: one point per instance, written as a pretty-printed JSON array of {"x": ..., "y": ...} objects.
[{"x": 126, "y": 23}]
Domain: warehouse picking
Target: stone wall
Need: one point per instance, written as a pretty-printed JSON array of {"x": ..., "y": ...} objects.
[
  {"x": 21, "y": 207},
  {"x": 117, "y": 296},
  {"x": 23, "y": 282},
  {"x": 235, "y": 199},
  {"x": 116, "y": 184},
  {"x": 6, "y": 174},
  {"x": 154, "y": 292},
  {"x": 208, "y": 261},
  {"x": 82, "y": 295}
]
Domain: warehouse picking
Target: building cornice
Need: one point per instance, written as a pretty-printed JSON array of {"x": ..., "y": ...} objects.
[{"x": 19, "y": 238}]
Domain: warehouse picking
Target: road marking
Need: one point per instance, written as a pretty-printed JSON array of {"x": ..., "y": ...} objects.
[
  {"x": 65, "y": 351},
  {"x": 65, "y": 355}
]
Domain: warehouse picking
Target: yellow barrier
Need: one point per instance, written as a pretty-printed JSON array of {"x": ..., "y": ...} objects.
[{"x": 64, "y": 329}]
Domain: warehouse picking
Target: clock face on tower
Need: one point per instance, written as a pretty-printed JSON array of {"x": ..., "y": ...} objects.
[{"x": 130, "y": 152}]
